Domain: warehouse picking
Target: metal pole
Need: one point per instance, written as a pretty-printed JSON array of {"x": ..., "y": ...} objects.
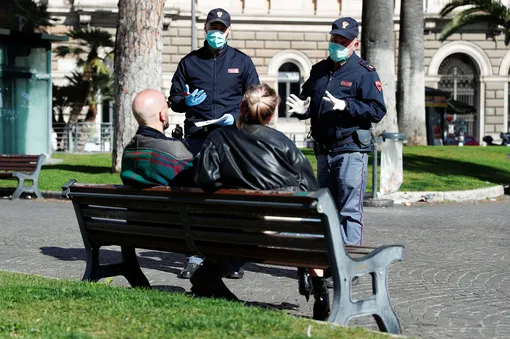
[
  {"x": 193, "y": 26},
  {"x": 374, "y": 170}
]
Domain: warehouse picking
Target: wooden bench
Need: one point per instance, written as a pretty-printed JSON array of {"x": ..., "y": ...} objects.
[
  {"x": 22, "y": 167},
  {"x": 252, "y": 226}
]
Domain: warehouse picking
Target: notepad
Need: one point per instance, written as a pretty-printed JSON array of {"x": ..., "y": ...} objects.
[{"x": 211, "y": 122}]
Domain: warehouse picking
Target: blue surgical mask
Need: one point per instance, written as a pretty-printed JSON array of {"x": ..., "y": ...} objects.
[
  {"x": 216, "y": 39},
  {"x": 338, "y": 52}
]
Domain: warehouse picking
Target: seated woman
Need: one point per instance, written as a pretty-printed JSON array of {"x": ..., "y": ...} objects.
[{"x": 253, "y": 156}]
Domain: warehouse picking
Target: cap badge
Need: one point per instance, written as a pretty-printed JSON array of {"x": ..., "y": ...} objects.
[
  {"x": 345, "y": 24},
  {"x": 219, "y": 14}
]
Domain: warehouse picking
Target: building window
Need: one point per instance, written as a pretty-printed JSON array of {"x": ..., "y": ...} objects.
[
  {"x": 459, "y": 76},
  {"x": 289, "y": 79}
]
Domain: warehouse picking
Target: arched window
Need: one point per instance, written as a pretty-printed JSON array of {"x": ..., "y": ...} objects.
[
  {"x": 459, "y": 75},
  {"x": 289, "y": 78}
]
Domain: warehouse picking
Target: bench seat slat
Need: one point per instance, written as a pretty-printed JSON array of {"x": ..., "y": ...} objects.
[{"x": 120, "y": 191}]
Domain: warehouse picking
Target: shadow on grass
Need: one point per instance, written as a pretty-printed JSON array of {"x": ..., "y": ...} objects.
[
  {"x": 442, "y": 167},
  {"x": 81, "y": 168},
  {"x": 171, "y": 263}
]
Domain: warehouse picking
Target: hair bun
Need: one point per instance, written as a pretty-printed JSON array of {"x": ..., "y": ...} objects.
[{"x": 258, "y": 105}]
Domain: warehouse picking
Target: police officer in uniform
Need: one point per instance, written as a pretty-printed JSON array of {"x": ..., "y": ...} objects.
[
  {"x": 209, "y": 84},
  {"x": 342, "y": 97}
]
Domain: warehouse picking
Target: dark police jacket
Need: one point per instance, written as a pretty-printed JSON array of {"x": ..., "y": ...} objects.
[
  {"x": 224, "y": 78},
  {"x": 358, "y": 84},
  {"x": 253, "y": 157}
]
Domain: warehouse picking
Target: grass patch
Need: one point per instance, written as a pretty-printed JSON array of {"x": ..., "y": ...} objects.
[
  {"x": 37, "y": 307},
  {"x": 445, "y": 168}
]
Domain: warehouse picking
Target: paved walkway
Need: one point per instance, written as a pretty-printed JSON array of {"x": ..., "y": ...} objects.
[{"x": 454, "y": 281}]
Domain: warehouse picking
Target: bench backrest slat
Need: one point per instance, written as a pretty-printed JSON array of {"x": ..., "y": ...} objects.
[
  {"x": 219, "y": 236},
  {"x": 255, "y": 223},
  {"x": 17, "y": 167},
  {"x": 18, "y": 163},
  {"x": 246, "y": 253}
]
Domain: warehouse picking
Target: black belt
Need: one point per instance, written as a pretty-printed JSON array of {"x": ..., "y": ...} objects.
[
  {"x": 323, "y": 147},
  {"x": 199, "y": 132}
]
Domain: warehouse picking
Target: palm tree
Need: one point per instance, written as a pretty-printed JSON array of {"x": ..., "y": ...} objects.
[
  {"x": 93, "y": 48},
  {"x": 378, "y": 48},
  {"x": 491, "y": 12},
  {"x": 411, "y": 73},
  {"x": 24, "y": 15}
]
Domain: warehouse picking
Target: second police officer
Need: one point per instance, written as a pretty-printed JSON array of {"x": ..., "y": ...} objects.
[
  {"x": 342, "y": 97},
  {"x": 209, "y": 84}
]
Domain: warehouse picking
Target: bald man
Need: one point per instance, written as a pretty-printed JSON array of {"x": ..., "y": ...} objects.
[{"x": 151, "y": 146}]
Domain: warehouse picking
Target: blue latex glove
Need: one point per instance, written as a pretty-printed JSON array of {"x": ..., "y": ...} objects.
[
  {"x": 229, "y": 121},
  {"x": 195, "y": 98}
]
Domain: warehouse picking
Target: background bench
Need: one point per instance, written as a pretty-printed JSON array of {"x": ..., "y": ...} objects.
[
  {"x": 22, "y": 167},
  {"x": 252, "y": 226}
]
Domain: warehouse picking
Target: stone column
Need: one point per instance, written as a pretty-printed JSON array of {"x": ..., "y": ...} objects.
[
  {"x": 481, "y": 112},
  {"x": 496, "y": 103},
  {"x": 506, "y": 128}
]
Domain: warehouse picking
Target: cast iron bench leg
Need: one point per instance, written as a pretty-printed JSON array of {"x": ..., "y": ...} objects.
[
  {"x": 129, "y": 267},
  {"x": 375, "y": 264},
  {"x": 92, "y": 271},
  {"x": 35, "y": 189},
  {"x": 21, "y": 185},
  {"x": 133, "y": 272},
  {"x": 20, "y": 189}
]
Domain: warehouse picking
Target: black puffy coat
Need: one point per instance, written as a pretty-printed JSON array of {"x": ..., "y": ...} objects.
[{"x": 254, "y": 157}]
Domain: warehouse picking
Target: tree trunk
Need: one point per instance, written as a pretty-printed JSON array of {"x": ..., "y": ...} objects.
[
  {"x": 411, "y": 74},
  {"x": 138, "y": 58},
  {"x": 77, "y": 107},
  {"x": 378, "y": 48}
]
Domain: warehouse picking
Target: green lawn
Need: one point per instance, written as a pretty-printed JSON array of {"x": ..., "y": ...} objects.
[
  {"x": 448, "y": 168},
  {"x": 425, "y": 169},
  {"x": 37, "y": 307}
]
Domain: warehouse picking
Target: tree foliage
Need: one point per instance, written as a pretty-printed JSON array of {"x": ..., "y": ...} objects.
[
  {"x": 491, "y": 12},
  {"x": 92, "y": 50},
  {"x": 24, "y": 15}
]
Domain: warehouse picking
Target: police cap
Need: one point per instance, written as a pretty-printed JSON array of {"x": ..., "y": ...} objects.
[
  {"x": 346, "y": 27},
  {"x": 218, "y": 15}
]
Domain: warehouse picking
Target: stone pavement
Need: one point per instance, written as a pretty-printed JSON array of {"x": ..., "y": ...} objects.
[{"x": 454, "y": 281}]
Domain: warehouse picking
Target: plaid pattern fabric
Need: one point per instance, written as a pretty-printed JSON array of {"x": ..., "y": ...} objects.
[{"x": 149, "y": 167}]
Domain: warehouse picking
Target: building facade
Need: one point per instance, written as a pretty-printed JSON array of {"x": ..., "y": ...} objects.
[{"x": 285, "y": 38}]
